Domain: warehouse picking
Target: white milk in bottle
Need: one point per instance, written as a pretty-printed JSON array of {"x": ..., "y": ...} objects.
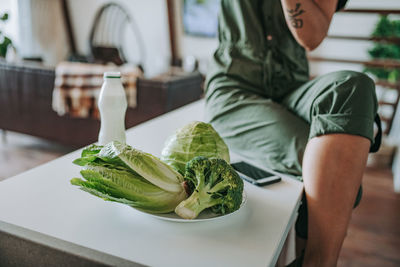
[{"x": 112, "y": 106}]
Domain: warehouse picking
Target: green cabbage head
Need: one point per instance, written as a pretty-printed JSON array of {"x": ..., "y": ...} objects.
[{"x": 193, "y": 140}]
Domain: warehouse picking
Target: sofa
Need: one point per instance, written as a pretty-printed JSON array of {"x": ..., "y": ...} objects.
[{"x": 26, "y": 103}]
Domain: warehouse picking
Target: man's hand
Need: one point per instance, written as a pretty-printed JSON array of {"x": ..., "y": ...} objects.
[{"x": 309, "y": 20}]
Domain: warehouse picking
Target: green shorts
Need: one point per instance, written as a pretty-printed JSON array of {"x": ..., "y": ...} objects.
[{"x": 274, "y": 133}]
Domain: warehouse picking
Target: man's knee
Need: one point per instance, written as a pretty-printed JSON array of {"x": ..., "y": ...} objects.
[
  {"x": 349, "y": 93},
  {"x": 359, "y": 84}
]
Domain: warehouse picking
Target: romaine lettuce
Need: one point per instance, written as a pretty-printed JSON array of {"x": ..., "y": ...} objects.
[{"x": 120, "y": 173}]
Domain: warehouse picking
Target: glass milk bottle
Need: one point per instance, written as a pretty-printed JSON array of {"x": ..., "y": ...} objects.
[{"x": 112, "y": 106}]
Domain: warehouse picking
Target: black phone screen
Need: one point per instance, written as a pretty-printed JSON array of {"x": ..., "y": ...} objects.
[{"x": 251, "y": 171}]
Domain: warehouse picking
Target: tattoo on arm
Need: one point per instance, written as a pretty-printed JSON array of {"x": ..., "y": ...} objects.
[{"x": 293, "y": 16}]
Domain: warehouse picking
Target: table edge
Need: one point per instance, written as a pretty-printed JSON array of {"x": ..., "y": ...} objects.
[
  {"x": 290, "y": 224},
  {"x": 66, "y": 252}
]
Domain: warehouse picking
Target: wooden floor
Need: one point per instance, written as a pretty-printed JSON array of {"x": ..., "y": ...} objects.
[
  {"x": 374, "y": 234},
  {"x": 20, "y": 152}
]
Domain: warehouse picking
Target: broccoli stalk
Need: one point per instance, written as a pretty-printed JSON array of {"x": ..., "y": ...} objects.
[{"x": 214, "y": 184}]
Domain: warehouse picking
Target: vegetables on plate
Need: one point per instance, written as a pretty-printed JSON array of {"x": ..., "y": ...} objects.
[
  {"x": 192, "y": 140},
  {"x": 215, "y": 184},
  {"x": 193, "y": 174}
]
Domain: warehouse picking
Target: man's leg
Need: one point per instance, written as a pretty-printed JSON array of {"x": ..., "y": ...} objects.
[
  {"x": 340, "y": 108},
  {"x": 333, "y": 166}
]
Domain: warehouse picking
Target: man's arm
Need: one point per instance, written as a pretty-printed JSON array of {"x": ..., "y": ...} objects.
[{"x": 309, "y": 20}]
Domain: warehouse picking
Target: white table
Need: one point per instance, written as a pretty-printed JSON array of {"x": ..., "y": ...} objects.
[{"x": 41, "y": 205}]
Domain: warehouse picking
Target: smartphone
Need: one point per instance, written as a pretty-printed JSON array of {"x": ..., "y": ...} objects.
[{"x": 255, "y": 175}]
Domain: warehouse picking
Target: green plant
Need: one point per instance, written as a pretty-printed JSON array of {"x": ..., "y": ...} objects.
[
  {"x": 385, "y": 50},
  {"x": 5, "y": 42},
  {"x": 387, "y": 27}
]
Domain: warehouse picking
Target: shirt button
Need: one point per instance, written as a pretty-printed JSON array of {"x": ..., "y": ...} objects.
[{"x": 269, "y": 37}]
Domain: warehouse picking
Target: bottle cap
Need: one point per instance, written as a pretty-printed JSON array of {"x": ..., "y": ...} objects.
[{"x": 112, "y": 74}]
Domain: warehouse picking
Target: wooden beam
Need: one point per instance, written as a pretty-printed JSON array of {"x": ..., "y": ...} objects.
[
  {"x": 395, "y": 40},
  {"x": 372, "y": 11},
  {"x": 175, "y": 58},
  {"x": 386, "y": 103},
  {"x": 389, "y": 85},
  {"x": 383, "y": 63},
  {"x": 68, "y": 25}
]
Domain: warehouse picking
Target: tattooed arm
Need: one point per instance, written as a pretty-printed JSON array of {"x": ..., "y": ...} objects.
[{"x": 309, "y": 20}]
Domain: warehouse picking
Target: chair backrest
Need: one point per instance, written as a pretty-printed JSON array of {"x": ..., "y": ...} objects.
[{"x": 107, "y": 35}]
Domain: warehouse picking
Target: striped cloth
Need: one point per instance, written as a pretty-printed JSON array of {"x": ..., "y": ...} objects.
[{"x": 77, "y": 87}]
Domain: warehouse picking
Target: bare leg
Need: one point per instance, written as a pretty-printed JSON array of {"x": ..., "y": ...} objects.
[{"x": 333, "y": 166}]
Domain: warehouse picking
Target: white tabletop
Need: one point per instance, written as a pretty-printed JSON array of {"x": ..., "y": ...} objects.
[{"x": 43, "y": 200}]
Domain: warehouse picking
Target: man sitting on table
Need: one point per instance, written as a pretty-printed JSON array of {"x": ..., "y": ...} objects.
[{"x": 259, "y": 98}]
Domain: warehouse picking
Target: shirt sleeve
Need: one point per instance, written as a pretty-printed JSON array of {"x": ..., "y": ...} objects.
[{"x": 341, "y": 4}]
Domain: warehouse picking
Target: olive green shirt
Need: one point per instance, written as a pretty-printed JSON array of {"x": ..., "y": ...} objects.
[{"x": 257, "y": 51}]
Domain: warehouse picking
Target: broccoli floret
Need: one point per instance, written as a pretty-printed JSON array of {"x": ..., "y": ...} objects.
[{"x": 215, "y": 184}]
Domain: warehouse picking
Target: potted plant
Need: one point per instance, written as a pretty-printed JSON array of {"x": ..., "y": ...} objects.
[
  {"x": 386, "y": 47},
  {"x": 5, "y": 42},
  {"x": 389, "y": 29}
]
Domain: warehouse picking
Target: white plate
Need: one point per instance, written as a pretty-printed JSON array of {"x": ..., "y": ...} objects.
[{"x": 206, "y": 215}]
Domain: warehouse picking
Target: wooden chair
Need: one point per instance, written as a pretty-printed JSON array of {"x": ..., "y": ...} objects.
[{"x": 107, "y": 35}]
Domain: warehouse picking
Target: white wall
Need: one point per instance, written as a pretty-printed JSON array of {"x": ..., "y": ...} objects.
[
  {"x": 32, "y": 27},
  {"x": 41, "y": 31},
  {"x": 151, "y": 18},
  {"x": 193, "y": 46}
]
